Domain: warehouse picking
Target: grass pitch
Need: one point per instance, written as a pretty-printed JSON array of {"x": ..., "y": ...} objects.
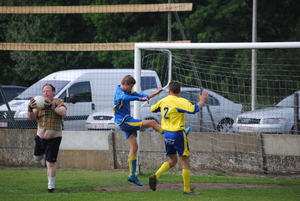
[{"x": 79, "y": 184}]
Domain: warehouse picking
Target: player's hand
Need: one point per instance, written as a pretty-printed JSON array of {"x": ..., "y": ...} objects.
[
  {"x": 202, "y": 98},
  {"x": 48, "y": 103},
  {"x": 156, "y": 93},
  {"x": 32, "y": 103},
  {"x": 159, "y": 90},
  {"x": 144, "y": 99}
]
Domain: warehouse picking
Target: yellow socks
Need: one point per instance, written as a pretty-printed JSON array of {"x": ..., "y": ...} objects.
[
  {"x": 186, "y": 175},
  {"x": 163, "y": 168},
  {"x": 132, "y": 166}
]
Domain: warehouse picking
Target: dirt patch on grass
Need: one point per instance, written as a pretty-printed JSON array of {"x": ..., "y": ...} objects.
[{"x": 179, "y": 186}]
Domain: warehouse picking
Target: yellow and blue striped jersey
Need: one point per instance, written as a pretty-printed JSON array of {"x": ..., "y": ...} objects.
[
  {"x": 172, "y": 110},
  {"x": 122, "y": 100}
]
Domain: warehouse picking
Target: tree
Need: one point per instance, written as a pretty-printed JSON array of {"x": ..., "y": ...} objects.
[{"x": 210, "y": 21}]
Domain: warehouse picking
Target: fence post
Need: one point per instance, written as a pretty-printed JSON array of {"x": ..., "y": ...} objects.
[
  {"x": 296, "y": 113},
  {"x": 263, "y": 154}
]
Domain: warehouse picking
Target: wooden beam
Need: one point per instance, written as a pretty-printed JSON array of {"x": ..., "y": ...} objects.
[
  {"x": 128, "y": 8},
  {"x": 73, "y": 46}
]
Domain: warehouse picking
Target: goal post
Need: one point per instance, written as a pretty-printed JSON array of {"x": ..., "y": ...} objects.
[{"x": 226, "y": 69}]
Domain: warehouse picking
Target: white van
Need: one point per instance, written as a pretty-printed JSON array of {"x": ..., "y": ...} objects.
[{"x": 84, "y": 91}]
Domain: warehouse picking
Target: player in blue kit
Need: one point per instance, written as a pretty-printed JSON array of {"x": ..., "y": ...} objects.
[
  {"x": 173, "y": 109},
  {"x": 124, "y": 94}
]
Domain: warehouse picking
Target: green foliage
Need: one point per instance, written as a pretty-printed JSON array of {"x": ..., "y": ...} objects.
[
  {"x": 210, "y": 21},
  {"x": 220, "y": 21}
]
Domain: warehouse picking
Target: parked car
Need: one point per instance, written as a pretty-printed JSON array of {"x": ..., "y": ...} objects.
[
  {"x": 223, "y": 112},
  {"x": 10, "y": 92},
  {"x": 278, "y": 119},
  {"x": 103, "y": 120}
]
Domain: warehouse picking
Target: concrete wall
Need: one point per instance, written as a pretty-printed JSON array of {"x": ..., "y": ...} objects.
[{"x": 249, "y": 153}]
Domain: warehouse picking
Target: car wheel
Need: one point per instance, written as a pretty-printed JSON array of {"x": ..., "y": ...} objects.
[{"x": 225, "y": 125}]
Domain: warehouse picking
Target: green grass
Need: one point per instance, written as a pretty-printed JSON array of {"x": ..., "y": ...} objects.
[{"x": 79, "y": 184}]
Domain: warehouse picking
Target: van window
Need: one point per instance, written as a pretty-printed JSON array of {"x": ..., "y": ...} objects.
[
  {"x": 36, "y": 89},
  {"x": 148, "y": 82},
  {"x": 82, "y": 91}
]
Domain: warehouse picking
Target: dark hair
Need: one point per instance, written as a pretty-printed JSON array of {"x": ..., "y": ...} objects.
[
  {"x": 174, "y": 87},
  {"x": 52, "y": 87},
  {"x": 128, "y": 79}
]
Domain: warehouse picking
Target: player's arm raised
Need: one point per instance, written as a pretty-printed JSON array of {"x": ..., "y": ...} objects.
[
  {"x": 156, "y": 93},
  {"x": 202, "y": 98}
]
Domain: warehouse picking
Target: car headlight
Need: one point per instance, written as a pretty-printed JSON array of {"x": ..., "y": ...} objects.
[{"x": 273, "y": 121}]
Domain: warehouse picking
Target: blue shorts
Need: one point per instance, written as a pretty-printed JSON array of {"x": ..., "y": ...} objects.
[
  {"x": 176, "y": 143},
  {"x": 130, "y": 126}
]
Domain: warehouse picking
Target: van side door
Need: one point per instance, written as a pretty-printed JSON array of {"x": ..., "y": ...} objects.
[{"x": 78, "y": 112}]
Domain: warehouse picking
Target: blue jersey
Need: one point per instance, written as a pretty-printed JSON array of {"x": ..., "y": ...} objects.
[
  {"x": 172, "y": 110},
  {"x": 122, "y": 100}
]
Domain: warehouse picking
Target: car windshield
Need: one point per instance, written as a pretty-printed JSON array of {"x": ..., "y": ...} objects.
[
  {"x": 11, "y": 92},
  {"x": 36, "y": 89},
  {"x": 287, "y": 102}
]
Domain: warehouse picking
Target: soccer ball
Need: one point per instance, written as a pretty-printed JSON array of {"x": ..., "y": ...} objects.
[{"x": 40, "y": 102}]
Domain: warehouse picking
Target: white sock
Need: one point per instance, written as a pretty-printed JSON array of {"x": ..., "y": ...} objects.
[{"x": 51, "y": 182}]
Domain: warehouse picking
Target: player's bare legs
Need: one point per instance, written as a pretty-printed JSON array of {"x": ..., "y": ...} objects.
[
  {"x": 153, "y": 124},
  {"x": 185, "y": 161},
  {"x": 133, "y": 146},
  {"x": 51, "y": 169},
  {"x": 51, "y": 173},
  {"x": 173, "y": 160}
]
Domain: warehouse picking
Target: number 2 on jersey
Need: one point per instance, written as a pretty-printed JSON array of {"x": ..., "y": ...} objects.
[{"x": 166, "y": 109}]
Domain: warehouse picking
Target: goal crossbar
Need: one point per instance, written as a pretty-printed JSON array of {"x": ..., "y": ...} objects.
[{"x": 257, "y": 45}]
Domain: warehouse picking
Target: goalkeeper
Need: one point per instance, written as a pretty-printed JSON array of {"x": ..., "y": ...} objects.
[
  {"x": 49, "y": 131},
  {"x": 172, "y": 110},
  {"x": 124, "y": 94}
]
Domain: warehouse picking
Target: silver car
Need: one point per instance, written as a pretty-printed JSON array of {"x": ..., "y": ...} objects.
[
  {"x": 278, "y": 119},
  {"x": 221, "y": 116},
  {"x": 103, "y": 120},
  {"x": 218, "y": 113}
]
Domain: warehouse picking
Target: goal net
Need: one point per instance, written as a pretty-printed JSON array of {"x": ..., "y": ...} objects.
[{"x": 239, "y": 77}]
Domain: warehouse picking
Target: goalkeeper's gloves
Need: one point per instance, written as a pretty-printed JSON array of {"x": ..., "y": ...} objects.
[
  {"x": 48, "y": 104},
  {"x": 32, "y": 105}
]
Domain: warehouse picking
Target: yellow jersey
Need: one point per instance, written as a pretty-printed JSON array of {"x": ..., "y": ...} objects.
[{"x": 172, "y": 110}]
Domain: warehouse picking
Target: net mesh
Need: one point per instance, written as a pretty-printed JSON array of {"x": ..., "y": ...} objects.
[{"x": 227, "y": 74}]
